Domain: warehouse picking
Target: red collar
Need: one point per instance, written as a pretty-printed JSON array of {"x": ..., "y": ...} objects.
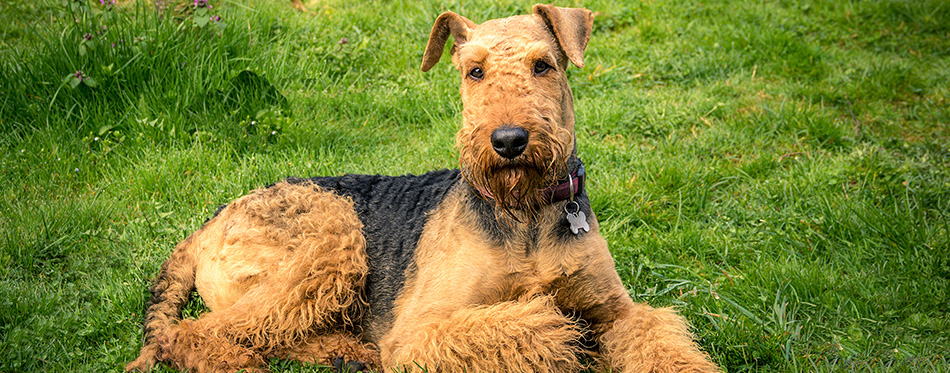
[{"x": 563, "y": 190}]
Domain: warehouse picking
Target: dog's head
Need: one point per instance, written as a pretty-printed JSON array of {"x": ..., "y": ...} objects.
[{"x": 518, "y": 112}]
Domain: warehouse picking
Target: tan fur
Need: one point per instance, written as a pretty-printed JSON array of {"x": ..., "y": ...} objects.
[
  {"x": 318, "y": 347},
  {"x": 461, "y": 279},
  {"x": 282, "y": 269},
  {"x": 276, "y": 268},
  {"x": 529, "y": 335},
  {"x": 538, "y": 104},
  {"x": 460, "y": 273},
  {"x": 644, "y": 339}
]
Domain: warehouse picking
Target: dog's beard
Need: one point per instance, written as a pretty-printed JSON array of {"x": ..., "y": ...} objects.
[
  {"x": 511, "y": 186},
  {"x": 514, "y": 185}
]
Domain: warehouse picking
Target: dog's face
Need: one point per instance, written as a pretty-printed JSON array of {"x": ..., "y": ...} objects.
[{"x": 518, "y": 116}]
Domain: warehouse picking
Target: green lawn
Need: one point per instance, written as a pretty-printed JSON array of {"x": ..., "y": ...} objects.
[{"x": 778, "y": 171}]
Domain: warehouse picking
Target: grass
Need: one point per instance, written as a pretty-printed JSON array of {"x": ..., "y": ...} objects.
[{"x": 778, "y": 171}]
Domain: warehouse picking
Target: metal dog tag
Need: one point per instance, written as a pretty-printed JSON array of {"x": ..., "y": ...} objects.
[{"x": 577, "y": 219}]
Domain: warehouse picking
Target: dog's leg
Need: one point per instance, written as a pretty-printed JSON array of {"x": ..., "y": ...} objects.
[
  {"x": 631, "y": 337},
  {"x": 527, "y": 336},
  {"x": 300, "y": 260},
  {"x": 314, "y": 286},
  {"x": 273, "y": 316},
  {"x": 647, "y": 339},
  {"x": 192, "y": 345},
  {"x": 171, "y": 290},
  {"x": 279, "y": 313}
]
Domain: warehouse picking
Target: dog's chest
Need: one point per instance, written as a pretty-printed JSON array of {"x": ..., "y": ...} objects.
[
  {"x": 486, "y": 263},
  {"x": 533, "y": 267}
]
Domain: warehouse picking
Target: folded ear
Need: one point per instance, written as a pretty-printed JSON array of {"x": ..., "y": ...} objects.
[
  {"x": 571, "y": 28},
  {"x": 447, "y": 24}
]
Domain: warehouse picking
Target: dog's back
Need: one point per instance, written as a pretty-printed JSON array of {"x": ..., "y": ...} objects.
[{"x": 393, "y": 210}]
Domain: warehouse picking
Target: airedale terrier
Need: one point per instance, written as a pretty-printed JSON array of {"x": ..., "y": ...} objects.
[{"x": 497, "y": 267}]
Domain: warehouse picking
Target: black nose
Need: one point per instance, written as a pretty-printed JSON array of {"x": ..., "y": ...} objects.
[{"x": 509, "y": 142}]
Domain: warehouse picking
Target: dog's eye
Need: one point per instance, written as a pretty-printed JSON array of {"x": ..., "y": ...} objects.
[
  {"x": 541, "y": 67},
  {"x": 476, "y": 74}
]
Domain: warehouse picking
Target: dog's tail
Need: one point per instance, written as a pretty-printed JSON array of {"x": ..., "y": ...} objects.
[{"x": 171, "y": 290}]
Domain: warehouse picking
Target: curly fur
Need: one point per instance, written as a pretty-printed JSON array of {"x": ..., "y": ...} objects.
[
  {"x": 309, "y": 280},
  {"x": 419, "y": 271},
  {"x": 320, "y": 275},
  {"x": 514, "y": 182},
  {"x": 318, "y": 346},
  {"x": 652, "y": 340},
  {"x": 393, "y": 210},
  {"x": 528, "y": 336}
]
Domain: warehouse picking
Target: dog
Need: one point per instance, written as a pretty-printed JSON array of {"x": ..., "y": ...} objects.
[{"x": 495, "y": 267}]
